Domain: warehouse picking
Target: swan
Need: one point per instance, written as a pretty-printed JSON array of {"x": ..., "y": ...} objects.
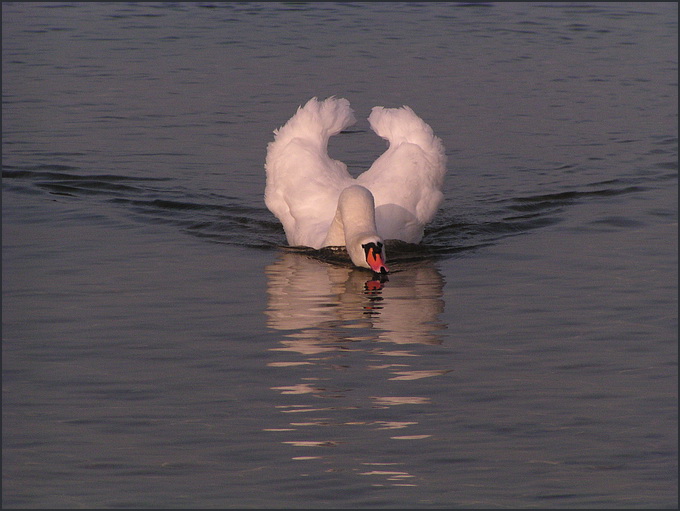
[{"x": 321, "y": 205}]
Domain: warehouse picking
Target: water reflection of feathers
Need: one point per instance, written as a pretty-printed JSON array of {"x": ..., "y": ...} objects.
[{"x": 326, "y": 302}]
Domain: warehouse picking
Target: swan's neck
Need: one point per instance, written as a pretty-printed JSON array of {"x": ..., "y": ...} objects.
[{"x": 354, "y": 223}]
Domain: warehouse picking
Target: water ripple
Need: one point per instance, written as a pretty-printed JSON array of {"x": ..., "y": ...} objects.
[{"x": 231, "y": 220}]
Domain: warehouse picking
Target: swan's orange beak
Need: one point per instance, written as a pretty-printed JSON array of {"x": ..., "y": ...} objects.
[{"x": 375, "y": 260}]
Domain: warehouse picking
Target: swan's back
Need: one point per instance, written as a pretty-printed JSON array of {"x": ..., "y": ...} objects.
[{"x": 304, "y": 183}]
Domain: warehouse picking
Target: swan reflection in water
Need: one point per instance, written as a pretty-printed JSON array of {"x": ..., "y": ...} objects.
[
  {"x": 355, "y": 339},
  {"x": 319, "y": 303}
]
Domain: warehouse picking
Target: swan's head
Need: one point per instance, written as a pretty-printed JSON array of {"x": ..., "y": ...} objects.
[
  {"x": 370, "y": 254},
  {"x": 375, "y": 256}
]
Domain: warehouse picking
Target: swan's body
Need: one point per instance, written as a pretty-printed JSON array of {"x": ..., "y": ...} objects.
[{"x": 320, "y": 204}]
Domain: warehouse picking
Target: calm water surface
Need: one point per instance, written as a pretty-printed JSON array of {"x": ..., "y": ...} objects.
[{"x": 163, "y": 348}]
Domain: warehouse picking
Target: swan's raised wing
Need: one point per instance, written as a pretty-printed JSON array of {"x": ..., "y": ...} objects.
[
  {"x": 406, "y": 180},
  {"x": 303, "y": 182}
]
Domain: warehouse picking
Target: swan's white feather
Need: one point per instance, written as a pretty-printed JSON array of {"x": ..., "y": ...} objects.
[
  {"x": 406, "y": 180},
  {"x": 304, "y": 183}
]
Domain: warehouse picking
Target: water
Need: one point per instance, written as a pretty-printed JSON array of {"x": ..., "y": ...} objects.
[{"x": 162, "y": 348}]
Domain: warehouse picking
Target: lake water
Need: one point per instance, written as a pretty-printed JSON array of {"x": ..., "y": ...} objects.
[{"x": 163, "y": 348}]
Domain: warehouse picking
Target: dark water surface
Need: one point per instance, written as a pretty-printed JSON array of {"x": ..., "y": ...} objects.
[{"x": 162, "y": 348}]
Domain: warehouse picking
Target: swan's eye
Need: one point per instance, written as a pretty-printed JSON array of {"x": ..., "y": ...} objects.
[{"x": 377, "y": 245}]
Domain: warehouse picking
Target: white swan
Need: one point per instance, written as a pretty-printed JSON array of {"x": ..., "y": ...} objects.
[{"x": 320, "y": 204}]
